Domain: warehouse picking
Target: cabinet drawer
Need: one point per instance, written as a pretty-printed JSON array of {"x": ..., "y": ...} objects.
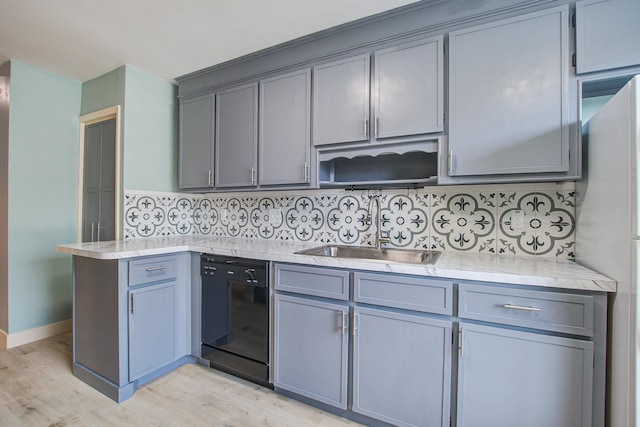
[
  {"x": 552, "y": 311},
  {"x": 154, "y": 269},
  {"x": 407, "y": 292},
  {"x": 321, "y": 282}
]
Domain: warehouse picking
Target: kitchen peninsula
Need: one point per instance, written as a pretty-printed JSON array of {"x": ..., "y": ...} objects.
[{"x": 548, "y": 317}]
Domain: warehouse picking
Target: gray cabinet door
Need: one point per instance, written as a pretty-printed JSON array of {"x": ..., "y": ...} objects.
[
  {"x": 195, "y": 167},
  {"x": 285, "y": 128},
  {"x": 509, "y": 96},
  {"x": 408, "y": 88},
  {"x": 508, "y": 378},
  {"x": 341, "y": 101},
  {"x": 607, "y": 34},
  {"x": 401, "y": 367},
  {"x": 237, "y": 136},
  {"x": 151, "y": 328},
  {"x": 310, "y": 346}
]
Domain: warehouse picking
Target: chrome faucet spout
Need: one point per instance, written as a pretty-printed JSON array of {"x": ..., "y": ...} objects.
[{"x": 379, "y": 239}]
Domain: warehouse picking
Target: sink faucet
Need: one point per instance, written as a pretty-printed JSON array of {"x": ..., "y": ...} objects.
[{"x": 379, "y": 239}]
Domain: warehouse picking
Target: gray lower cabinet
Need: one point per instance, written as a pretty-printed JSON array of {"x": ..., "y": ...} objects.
[
  {"x": 607, "y": 34},
  {"x": 195, "y": 167},
  {"x": 131, "y": 320},
  {"x": 530, "y": 357},
  {"x": 285, "y": 129},
  {"x": 152, "y": 318},
  {"x": 401, "y": 367},
  {"x": 237, "y": 137},
  {"x": 510, "y": 116},
  {"x": 509, "y": 377},
  {"x": 311, "y": 348}
]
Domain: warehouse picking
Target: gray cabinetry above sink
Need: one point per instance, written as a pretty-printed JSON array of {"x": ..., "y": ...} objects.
[
  {"x": 341, "y": 101},
  {"x": 510, "y": 115},
  {"x": 406, "y": 88}
]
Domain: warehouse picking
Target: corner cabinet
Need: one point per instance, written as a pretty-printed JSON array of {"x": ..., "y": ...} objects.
[
  {"x": 196, "y": 161},
  {"x": 237, "y": 136},
  {"x": 510, "y": 117},
  {"x": 131, "y": 321},
  {"x": 607, "y": 34},
  {"x": 285, "y": 129}
]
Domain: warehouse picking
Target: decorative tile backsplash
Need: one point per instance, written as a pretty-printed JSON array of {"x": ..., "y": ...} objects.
[{"x": 448, "y": 218}]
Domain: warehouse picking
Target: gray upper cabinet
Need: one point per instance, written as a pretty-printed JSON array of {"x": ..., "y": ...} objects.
[
  {"x": 408, "y": 89},
  {"x": 607, "y": 34},
  {"x": 237, "y": 136},
  {"x": 285, "y": 129},
  {"x": 341, "y": 101},
  {"x": 195, "y": 169},
  {"x": 509, "y": 109}
]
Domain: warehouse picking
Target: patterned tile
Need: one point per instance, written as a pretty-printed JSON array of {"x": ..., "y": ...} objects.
[
  {"x": 463, "y": 222},
  {"x": 405, "y": 220},
  {"x": 346, "y": 220},
  {"x": 452, "y": 218},
  {"x": 305, "y": 219},
  {"x": 205, "y": 216},
  {"x": 548, "y": 228}
]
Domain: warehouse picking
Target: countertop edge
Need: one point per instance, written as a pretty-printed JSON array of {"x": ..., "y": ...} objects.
[{"x": 573, "y": 277}]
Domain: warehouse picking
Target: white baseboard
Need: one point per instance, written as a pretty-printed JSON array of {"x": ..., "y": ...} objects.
[{"x": 35, "y": 334}]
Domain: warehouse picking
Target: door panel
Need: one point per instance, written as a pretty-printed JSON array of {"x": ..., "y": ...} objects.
[{"x": 99, "y": 192}]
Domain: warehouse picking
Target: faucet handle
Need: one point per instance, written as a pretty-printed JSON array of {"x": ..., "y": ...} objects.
[{"x": 384, "y": 239}]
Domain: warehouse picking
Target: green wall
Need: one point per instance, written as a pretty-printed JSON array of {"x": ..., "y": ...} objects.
[
  {"x": 42, "y": 195},
  {"x": 41, "y": 180},
  {"x": 104, "y": 91},
  {"x": 150, "y": 132}
]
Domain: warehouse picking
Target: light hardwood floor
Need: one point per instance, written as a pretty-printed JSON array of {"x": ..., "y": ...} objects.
[{"x": 37, "y": 388}]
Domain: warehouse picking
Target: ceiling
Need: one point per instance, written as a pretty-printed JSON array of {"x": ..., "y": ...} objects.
[{"x": 82, "y": 39}]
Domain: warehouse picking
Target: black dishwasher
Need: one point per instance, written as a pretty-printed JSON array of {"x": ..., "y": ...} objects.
[{"x": 235, "y": 316}]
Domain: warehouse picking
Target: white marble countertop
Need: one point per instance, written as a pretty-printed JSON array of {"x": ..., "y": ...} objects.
[{"x": 459, "y": 266}]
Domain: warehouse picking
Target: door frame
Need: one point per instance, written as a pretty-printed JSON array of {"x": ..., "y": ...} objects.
[{"x": 86, "y": 120}]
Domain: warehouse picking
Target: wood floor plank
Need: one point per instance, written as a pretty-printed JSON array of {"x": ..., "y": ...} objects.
[{"x": 37, "y": 388}]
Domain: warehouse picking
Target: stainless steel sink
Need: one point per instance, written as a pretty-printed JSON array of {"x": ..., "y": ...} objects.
[{"x": 364, "y": 252}]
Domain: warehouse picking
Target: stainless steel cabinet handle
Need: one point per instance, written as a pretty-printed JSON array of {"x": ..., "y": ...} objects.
[
  {"x": 450, "y": 161},
  {"x": 366, "y": 127},
  {"x": 375, "y": 125},
  {"x": 253, "y": 176},
  {"x": 355, "y": 323},
  {"x": 461, "y": 342},
  {"x": 209, "y": 179},
  {"x": 344, "y": 322},
  {"x": 152, "y": 269},
  {"x": 521, "y": 307},
  {"x": 98, "y": 228},
  {"x": 131, "y": 303},
  {"x": 93, "y": 227},
  {"x": 306, "y": 172}
]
